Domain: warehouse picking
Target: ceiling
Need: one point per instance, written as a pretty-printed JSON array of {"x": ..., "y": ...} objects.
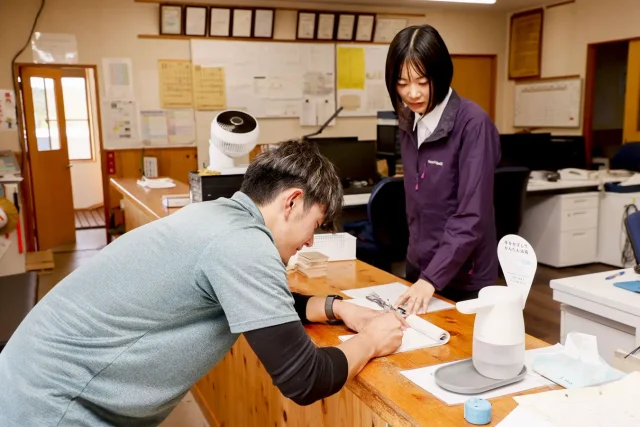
[{"x": 500, "y": 5}]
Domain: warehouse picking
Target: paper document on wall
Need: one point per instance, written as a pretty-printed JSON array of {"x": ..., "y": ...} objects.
[
  {"x": 209, "y": 90},
  {"x": 308, "y": 115},
  {"x": 613, "y": 404},
  {"x": 54, "y": 48},
  {"x": 121, "y": 124},
  {"x": 8, "y": 119},
  {"x": 118, "y": 78},
  {"x": 176, "y": 87},
  {"x": 181, "y": 127},
  {"x": 351, "y": 68},
  {"x": 424, "y": 378},
  {"x": 421, "y": 334},
  {"x": 153, "y": 127},
  {"x": 390, "y": 293}
]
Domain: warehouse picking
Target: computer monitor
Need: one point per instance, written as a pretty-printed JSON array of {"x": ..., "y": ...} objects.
[
  {"x": 542, "y": 151},
  {"x": 569, "y": 151},
  {"x": 354, "y": 159},
  {"x": 387, "y": 134}
]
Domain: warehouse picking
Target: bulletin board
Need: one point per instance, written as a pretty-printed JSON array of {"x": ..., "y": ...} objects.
[
  {"x": 361, "y": 88},
  {"x": 553, "y": 102},
  {"x": 270, "y": 79}
]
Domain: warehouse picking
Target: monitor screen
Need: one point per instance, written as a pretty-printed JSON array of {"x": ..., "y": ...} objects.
[
  {"x": 542, "y": 151},
  {"x": 354, "y": 159}
]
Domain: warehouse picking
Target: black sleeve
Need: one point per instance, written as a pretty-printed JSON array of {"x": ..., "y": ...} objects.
[
  {"x": 302, "y": 372},
  {"x": 300, "y": 304}
]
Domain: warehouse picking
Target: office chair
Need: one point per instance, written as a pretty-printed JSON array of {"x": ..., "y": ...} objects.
[
  {"x": 509, "y": 193},
  {"x": 632, "y": 226},
  {"x": 384, "y": 237}
]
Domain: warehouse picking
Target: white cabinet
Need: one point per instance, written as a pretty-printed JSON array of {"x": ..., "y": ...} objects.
[
  {"x": 611, "y": 231},
  {"x": 563, "y": 229}
]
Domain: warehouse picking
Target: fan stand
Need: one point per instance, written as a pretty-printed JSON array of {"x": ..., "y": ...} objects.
[{"x": 219, "y": 162}]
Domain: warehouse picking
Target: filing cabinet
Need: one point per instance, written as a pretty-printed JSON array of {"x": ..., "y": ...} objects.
[{"x": 563, "y": 229}]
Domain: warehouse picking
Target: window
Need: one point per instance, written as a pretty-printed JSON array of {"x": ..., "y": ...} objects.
[
  {"x": 46, "y": 115},
  {"x": 78, "y": 125}
]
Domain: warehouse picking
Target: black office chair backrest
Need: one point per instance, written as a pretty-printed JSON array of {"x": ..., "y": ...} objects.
[
  {"x": 510, "y": 191},
  {"x": 388, "y": 218}
]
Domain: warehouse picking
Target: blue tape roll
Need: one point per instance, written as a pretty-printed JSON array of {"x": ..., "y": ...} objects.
[{"x": 477, "y": 411}]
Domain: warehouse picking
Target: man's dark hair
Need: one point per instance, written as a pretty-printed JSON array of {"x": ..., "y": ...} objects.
[
  {"x": 421, "y": 48},
  {"x": 298, "y": 164}
]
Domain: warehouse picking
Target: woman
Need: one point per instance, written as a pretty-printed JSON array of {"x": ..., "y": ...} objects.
[{"x": 450, "y": 149}]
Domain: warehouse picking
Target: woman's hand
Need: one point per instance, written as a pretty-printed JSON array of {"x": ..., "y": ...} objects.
[{"x": 417, "y": 297}]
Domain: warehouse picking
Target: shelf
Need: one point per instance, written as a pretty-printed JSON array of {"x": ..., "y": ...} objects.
[
  {"x": 251, "y": 39},
  {"x": 328, "y": 8}
]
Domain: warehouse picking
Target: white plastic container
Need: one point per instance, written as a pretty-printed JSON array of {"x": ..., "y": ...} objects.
[{"x": 337, "y": 246}]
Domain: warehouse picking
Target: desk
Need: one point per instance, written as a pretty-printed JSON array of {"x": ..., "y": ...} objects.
[
  {"x": 592, "y": 305},
  {"x": 239, "y": 392}
]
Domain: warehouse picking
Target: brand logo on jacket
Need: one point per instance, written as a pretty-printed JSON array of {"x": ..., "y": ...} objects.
[{"x": 434, "y": 162}]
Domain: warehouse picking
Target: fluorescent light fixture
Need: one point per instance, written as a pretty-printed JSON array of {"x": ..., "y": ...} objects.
[{"x": 468, "y": 1}]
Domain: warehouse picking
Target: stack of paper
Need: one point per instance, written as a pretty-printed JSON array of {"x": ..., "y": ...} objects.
[
  {"x": 313, "y": 264},
  {"x": 421, "y": 334}
]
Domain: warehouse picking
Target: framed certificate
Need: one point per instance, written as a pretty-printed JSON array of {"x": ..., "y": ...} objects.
[
  {"x": 364, "y": 28},
  {"x": 326, "y": 26},
  {"x": 220, "y": 22},
  {"x": 195, "y": 20},
  {"x": 263, "y": 23},
  {"x": 242, "y": 20},
  {"x": 306, "y": 28},
  {"x": 170, "y": 19},
  {"x": 346, "y": 25}
]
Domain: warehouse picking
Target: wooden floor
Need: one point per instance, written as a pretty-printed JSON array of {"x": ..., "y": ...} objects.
[{"x": 90, "y": 218}]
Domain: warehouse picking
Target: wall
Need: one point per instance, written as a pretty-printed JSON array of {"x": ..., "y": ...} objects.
[
  {"x": 110, "y": 29},
  {"x": 567, "y": 31}
]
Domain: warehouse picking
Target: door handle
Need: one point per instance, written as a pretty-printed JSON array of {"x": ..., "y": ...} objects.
[{"x": 69, "y": 166}]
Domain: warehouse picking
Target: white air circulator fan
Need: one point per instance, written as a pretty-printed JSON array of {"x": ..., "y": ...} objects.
[{"x": 234, "y": 134}]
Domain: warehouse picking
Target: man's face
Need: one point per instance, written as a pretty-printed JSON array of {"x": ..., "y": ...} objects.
[{"x": 297, "y": 229}]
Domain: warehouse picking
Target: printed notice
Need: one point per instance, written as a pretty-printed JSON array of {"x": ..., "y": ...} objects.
[
  {"x": 351, "y": 68},
  {"x": 175, "y": 83},
  {"x": 209, "y": 91}
]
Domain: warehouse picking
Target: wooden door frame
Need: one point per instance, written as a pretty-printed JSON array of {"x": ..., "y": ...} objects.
[
  {"x": 494, "y": 76},
  {"x": 590, "y": 89},
  {"x": 28, "y": 211}
]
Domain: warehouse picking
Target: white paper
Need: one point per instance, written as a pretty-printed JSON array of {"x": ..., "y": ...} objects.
[
  {"x": 613, "y": 404},
  {"x": 308, "y": 115},
  {"x": 391, "y": 292},
  {"x": 48, "y": 48},
  {"x": 326, "y": 108},
  {"x": 421, "y": 334},
  {"x": 423, "y": 377},
  {"x": 121, "y": 128},
  {"x": 522, "y": 416},
  {"x": 518, "y": 262},
  {"x": 118, "y": 78},
  {"x": 8, "y": 119},
  {"x": 181, "y": 127},
  {"x": 154, "y": 127},
  {"x": 264, "y": 23},
  {"x": 156, "y": 182}
]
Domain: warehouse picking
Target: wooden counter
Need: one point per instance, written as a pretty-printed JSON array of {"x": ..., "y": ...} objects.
[
  {"x": 143, "y": 205},
  {"x": 239, "y": 392}
]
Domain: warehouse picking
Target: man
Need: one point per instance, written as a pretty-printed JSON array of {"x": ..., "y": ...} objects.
[{"x": 123, "y": 338}]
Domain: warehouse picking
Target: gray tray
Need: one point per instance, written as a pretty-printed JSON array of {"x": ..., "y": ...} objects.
[{"x": 462, "y": 378}]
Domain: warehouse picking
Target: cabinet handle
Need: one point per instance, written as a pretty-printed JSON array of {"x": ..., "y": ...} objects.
[
  {"x": 578, "y": 234},
  {"x": 579, "y": 213},
  {"x": 579, "y": 200}
]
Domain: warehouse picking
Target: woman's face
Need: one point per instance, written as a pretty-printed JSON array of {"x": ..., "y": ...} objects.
[{"x": 413, "y": 89}]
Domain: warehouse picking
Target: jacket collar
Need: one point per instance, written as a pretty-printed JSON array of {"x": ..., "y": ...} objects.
[
  {"x": 406, "y": 118},
  {"x": 249, "y": 205}
]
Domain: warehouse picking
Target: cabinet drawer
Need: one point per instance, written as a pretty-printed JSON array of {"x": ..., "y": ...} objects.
[
  {"x": 578, "y": 247},
  {"x": 579, "y": 219},
  {"x": 572, "y": 202}
]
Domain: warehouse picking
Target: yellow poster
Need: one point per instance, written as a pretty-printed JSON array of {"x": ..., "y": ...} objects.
[
  {"x": 175, "y": 83},
  {"x": 209, "y": 91},
  {"x": 350, "y": 68}
]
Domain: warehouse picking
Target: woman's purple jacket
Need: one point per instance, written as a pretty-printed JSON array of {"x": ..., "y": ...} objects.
[{"x": 449, "y": 196}]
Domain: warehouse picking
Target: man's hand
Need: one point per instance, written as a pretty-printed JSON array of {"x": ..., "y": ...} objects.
[
  {"x": 417, "y": 297},
  {"x": 353, "y": 316},
  {"x": 384, "y": 333}
]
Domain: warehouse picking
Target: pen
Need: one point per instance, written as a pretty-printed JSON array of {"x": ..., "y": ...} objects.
[{"x": 613, "y": 276}]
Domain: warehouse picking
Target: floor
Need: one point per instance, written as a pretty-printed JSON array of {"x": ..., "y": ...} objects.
[
  {"x": 90, "y": 218},
  {"x": 542, "y": 314}
]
